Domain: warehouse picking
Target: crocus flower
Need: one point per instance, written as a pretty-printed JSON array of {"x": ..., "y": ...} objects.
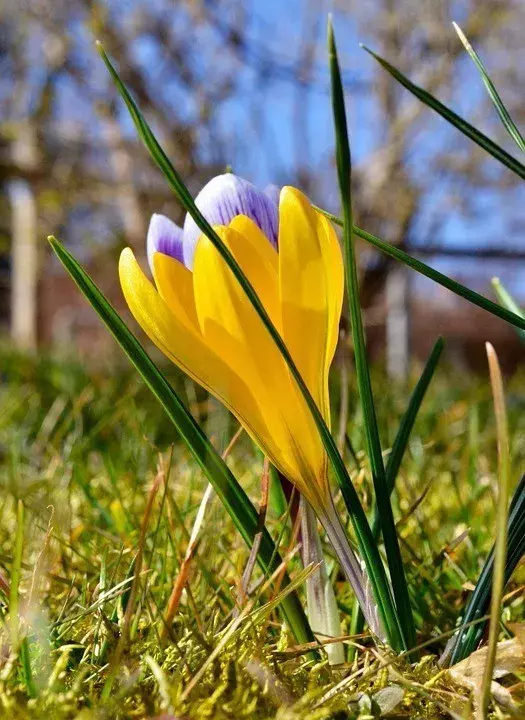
[{"x": 199, "y": 317}]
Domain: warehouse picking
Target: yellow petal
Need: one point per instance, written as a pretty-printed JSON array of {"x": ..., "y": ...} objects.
[
  {"x": 335, "y": 282},
  {"x": 171, "y": 329},
  {"x": 175, "y": 285},
  {"x": 260, "y": 262},
  {"x": 310, "y": 282},
  {"x": 231, "y": 327}
]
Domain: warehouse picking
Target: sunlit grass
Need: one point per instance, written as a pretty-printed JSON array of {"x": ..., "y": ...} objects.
[{"x": 82, "y": 449}]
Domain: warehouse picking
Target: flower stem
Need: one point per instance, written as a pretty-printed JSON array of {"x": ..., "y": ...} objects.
[
  {"x": 352, "y": 568},
  {"x": 322, "y": 610}
]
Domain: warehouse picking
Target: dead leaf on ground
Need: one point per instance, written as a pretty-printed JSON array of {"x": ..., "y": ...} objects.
[{"x": 510, "y": 658}]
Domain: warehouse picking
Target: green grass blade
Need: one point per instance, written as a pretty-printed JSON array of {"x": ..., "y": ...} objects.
[
  {"x": 232, "y": 495},
  {"x": 27, "y": 672},
  {"x": 277, "y": 499},
  {"x": 453, "y": 118},
  {"x": 517, "y": 320},
  {"x": 366, "y": 544},
  {"x": 398, "y": 450},
  {"x": 405, "y": 625},
  {"x": 508, "y": 302},
  {"x": 16, "y": 572},
  {"x": 409, "y": 418},
  {"x": 498, "y": 103},
  {"x": 477, "y": 607}
]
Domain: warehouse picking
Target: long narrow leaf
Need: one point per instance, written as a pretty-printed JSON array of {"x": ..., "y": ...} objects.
[
  {"x": 366, "y": 544},
  {"x": 404, "y": 624},
  {"x": 399, "y": 447},
  {"x": 498, "y": 103},
  {"x": 470, "y": 634},
  {"x": 217, "y": 472},
  {"x": 424, "y": 269},
  {"x": 453, "y": 118},
  {"x": 409, "y": 418},
  {"x": 508, "y": 302}
]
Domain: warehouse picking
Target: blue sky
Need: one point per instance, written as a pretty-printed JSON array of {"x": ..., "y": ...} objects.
[
  {"x": 268, "y": 132},
  {"x": 274, "y": 28}
]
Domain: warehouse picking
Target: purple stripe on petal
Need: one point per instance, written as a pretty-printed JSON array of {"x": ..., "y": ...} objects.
[
  {"x": 224, "y": 197},
  {"x": 164, "y": 237}
]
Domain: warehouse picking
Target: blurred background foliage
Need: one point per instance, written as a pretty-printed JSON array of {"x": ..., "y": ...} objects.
[{"x": 245, "y": 84}]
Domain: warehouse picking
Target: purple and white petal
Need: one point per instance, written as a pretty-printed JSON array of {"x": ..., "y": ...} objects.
[
  {"x": 164, "y": 237},
  {"x": 224, "y": 197}
]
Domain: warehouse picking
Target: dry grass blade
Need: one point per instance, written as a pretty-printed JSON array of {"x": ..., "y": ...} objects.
[
  {"x": 184, "y": 572},
  {"x": 248, "y": 570},
  {"x": 412, "y": 509},
  {"x": 38, "y": 570},
  {"x": 501, "y": 521}
]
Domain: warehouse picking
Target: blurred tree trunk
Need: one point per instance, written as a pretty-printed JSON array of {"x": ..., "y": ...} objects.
[
  {"x": 24, "y": 253},
  {"x": 397, "y": 322}
]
